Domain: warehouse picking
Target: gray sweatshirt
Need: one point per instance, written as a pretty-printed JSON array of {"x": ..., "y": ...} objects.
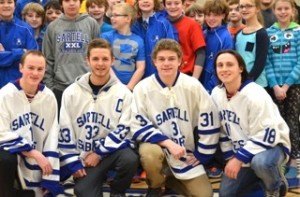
[{"x": 65, "y": 46}]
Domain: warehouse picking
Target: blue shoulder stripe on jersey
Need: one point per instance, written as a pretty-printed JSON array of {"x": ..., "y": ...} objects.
[
  {"x": 261, "y": 144},
  {"x": 65, "y": 157},
  {"x": 224, "y": 139},
  {"x": 114, "y": 138},
  {"x": 208, "y": 132},
  {"x": 162, "y": 83},
  {"x": 228, "y": 154},
  {"x": 142, "y": 130},
  {"x": 67, "y": 146},
  {"x": 183, "y": 170},
  {"x": 51, "y": 154},
  {"x": 204, "y": 146}
]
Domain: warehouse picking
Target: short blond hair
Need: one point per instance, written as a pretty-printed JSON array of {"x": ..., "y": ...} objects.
[{"x": 128, "y": 10}]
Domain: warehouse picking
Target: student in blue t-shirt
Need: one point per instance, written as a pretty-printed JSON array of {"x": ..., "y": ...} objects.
[{"x": 128, "y": 48}]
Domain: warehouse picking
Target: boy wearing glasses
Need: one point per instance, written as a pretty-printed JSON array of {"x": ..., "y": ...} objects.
[{"x": 128, "y": 48}]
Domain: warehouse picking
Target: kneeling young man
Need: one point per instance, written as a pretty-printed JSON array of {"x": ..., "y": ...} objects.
[
  {"x": 29, "y": 132},
  {"x": 94, "y": 119},
  {"x": 177, "y": 124}
]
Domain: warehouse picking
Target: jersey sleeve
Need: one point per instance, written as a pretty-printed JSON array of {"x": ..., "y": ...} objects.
[
  {"x": 225, "y": 145},
  {"x": 50, "y": 151},
  {"x": 265, "y": 127},
  {"x": 119, "y": 138},
  {"x": 9, "y": 140},
  {"x": 208, "y": 127},
  {"x": 142, "y": 129},
  {"x": 69, "y": 155}
]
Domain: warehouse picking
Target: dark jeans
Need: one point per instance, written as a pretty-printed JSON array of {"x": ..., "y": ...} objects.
[
  {"x": 8, "y": 174},
  {"x": 124, "y": 162}
]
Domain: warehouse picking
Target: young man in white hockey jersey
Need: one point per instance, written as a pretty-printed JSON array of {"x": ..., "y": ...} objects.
[
  {"x": 255, "y": 140},
  {"x": 29, "y": 132},
  {"x": 177, "y": 124},
  {"x": 94, "y": 120}
]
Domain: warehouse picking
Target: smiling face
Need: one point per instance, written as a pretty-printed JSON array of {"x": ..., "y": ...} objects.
[
  {"x": 248, "y": 9},
  {"x": 146, "y": 6},
  {"x": 33, "y": 69},
  {"x": 7, "y": 8},
  {"x": 33, "y": 19},
  {"x": 96, "y": 11},
  {"x": 228, "y": 69},
  {"x": 214, "y": 20},
  {"x": 100, "y": 61},
  {"x": 174, "y": 8},
  {"x": 167, "y": 63},
  {"x": 283, "y": 11}
]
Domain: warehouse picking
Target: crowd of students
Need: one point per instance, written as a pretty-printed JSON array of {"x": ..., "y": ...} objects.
[{"x": 171, "y": 85}]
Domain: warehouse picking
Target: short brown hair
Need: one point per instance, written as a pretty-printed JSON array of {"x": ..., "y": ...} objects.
[
  {"x": 99, "y": 3},
  {"x": 167, "y": 44},
  {"x": 98, "y": 43},
  {"x": 216, "y": 6}
]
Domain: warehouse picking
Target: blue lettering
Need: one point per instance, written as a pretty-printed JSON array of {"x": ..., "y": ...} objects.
[
  {"x": 171, "y": 113},
  {"x": 119, "y": 105}
]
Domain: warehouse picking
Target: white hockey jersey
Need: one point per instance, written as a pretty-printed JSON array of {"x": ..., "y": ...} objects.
[
  {"x": 251, "y": 122},
  {"x": 98, "y": 123},
  {"x": 25, "y": 126},
  {"x": 178, "y": 113}
]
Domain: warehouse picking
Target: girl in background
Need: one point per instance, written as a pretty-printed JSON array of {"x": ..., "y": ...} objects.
[
  {"x": 283, "y": 74},
  {"x": 252, "y": 42}
]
